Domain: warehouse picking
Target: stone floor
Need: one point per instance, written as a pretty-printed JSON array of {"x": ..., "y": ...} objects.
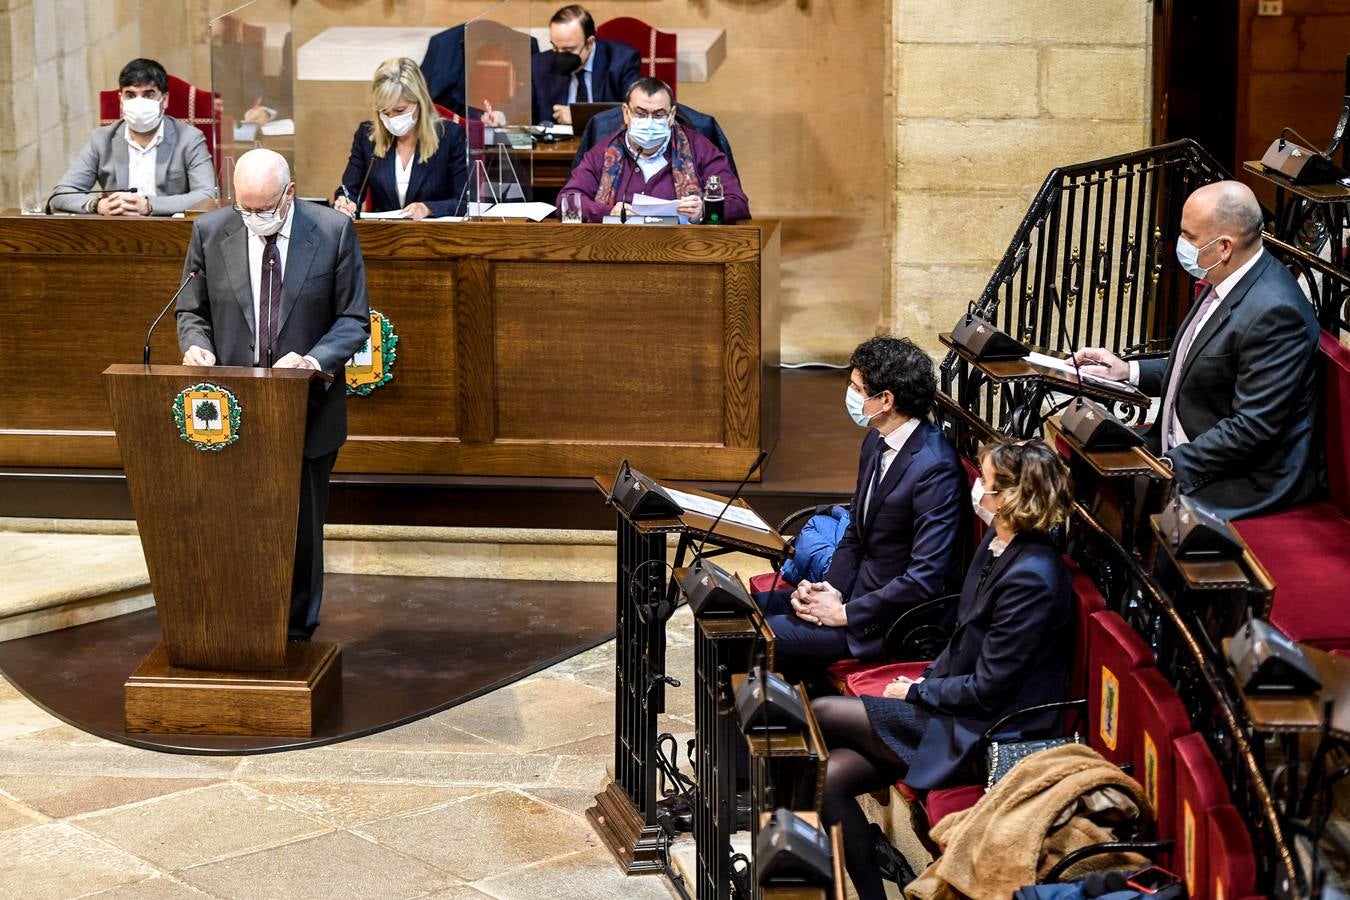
[{"x": 483, "y": 800}]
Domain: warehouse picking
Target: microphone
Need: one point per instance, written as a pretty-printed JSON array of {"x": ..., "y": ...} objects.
[
  {"x": 47, "y": 207},
  {"x": 759, "y": 460},
  {"x": 1090, "y": 423},
  {"x": 361, "y": 193},
  {"x": 265, "y": 309},
  {"x": 709, "y": 587},
  {"x": 623, "y": 220},
  {"x": 145, "y": 356}
]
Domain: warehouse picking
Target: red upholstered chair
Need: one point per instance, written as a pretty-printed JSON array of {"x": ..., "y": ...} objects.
[
  {"x": 1303, "y": 548},
  {"x": 1114, "y": 651},
  {"x": 657, "y": 48},
  {"x": 1199, "y": 789},
  {"x": 1232, "y": 864},
  {"x": 1090, "y": 601},
  {"x": 1159, "y": 718},
  {"x": 186, "y": 101}
]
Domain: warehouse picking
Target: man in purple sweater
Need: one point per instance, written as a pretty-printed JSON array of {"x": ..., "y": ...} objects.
[{"x": 656, "y": 156}]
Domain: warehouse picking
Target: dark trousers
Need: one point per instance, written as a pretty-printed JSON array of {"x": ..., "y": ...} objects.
[
  {"x": 307, "y": 577},
  {"x": 800, "y": 648}
]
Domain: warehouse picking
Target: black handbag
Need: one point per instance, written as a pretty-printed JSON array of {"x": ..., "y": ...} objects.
[{"x": 1003, "y": 755}]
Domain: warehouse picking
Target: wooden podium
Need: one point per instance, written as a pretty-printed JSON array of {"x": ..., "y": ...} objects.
[{"x": 212, "y": 459}]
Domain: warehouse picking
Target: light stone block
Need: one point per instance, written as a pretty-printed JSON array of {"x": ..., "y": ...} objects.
[
  {"x": 1023, "y": 21},
  {"x": 578, "y": 876},
  {"x": 100, "y": 19},
  {"x": 49, "y": 112},
  {"x": 60, "y": 796},
  {"x": 46, "y": 27},
  {"x": 956, "y": 228},
  {"x": 18, "y": 130},
  {"x": 534, "y": 714},
  {"x": 16, "y": 45},
  {"x": 59, "y": 860},
  {"x": 957, "y": 81},
  {"x": 1013, "y": 155},
  {"x": 929, "y": 299},
  {"x": 1097, "y": 82},
  {"x": 75, "y": 95},
  {"x": 71, "y": 35}
]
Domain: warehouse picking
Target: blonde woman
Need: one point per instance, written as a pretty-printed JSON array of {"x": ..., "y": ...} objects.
[
  {"x": 1011, "y": 649},
  {"x": 408, "y": 158}
]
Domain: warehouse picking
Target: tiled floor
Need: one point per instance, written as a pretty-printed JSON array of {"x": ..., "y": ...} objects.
[{"x": 483, "y": 800}]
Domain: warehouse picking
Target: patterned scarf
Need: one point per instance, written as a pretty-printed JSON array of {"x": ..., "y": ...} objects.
[{"x": 681, "y": 165}]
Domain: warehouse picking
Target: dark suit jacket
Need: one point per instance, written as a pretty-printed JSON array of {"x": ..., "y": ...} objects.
[
  {"x": 1012, "y": 648},
  {"x": 324, "y": 311},
  {"x": 904, "y": 551},
  {"x": 1247, "y": 398},
  {"x": 437, "y": 182},
  {"x": 605, "y": 124},
  {"x": 616, "y": 66}
]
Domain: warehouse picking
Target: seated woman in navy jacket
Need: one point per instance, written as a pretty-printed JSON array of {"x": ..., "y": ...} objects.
[
  {"x": 1012, "y": 648},
  {"x": 425, "y": 173}
]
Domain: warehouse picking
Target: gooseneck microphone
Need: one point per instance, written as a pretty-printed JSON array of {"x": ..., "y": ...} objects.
[
  {"x": 361, "y": 191},
  {"x": 47, "y": 207},
  {"x": 145, "y": 357}
]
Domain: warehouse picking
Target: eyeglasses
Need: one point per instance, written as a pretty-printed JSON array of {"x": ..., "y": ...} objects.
[
  {"x": 265, "y": 215},
  {"x": 649, "y": 114}
]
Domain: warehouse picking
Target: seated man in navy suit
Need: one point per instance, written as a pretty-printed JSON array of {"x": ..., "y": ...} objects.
[
  {"x": 900, "y": 546},
  {"x": 580, "y": 68}
]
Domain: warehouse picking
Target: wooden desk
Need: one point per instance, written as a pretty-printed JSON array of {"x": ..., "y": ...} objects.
[
  {"x": 523, "y": 349},
  {"x": 1277, "y": 714}
]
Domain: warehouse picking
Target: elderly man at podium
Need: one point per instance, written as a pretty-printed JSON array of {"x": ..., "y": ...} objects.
[{"x": 281, "y": 284}]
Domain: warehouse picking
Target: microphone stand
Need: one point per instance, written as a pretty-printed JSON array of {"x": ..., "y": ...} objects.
[
  {"x": 145, "y": 356},
  {"x": 47, "y": 207}
]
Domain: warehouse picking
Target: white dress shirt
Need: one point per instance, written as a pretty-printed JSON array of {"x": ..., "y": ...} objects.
[
  {"x": 256, "y": 245},
  {"x": 584, "y": 72},
  {"x": 1221, "y": 290},
  {"x": 894, "y": 441},
  {"x": 403, "y": 174},
  {"x": 141, "y": 161}
]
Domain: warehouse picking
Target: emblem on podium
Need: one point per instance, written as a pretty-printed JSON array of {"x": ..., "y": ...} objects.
[
  {"x": 207, "y": 416},
  {"x": 372, "y": 365}
]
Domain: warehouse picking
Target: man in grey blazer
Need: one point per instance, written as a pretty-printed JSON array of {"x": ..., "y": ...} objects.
[
  {"x": 280, "y": 282},
  {"x": 1238, "y": 388},
  {"x": 165, "y": 160}
]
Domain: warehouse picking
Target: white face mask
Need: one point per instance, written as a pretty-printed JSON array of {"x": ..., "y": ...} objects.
[
  {"x": 977, "y": 493},
  {"x": 1189, "y": 256},
  {"x": 400, "y": 125},
  {"x": 263, "y": 225},
  {"x": 853, "y": 402},
  {"x": 142, "y": 114}
]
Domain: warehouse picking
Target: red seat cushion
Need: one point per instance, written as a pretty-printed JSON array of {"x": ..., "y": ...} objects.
[
  {"x": 1232, "y": 864},
  {"x": 944, "y": 801},
  {"x": 1303, "y": 549},
  {"x": 1336, "y": 409},
  {"x": 769, "y": 581},
  {"x": 1089, "y": 601},
  {"x": 1199, "y": 788},
  {"x": 1114, "y": 651},
  {"x": 1159, "y": 719},
  {"x": 863, "y": 679}
]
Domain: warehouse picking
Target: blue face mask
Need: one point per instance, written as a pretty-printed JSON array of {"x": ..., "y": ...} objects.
[
  {"x": 649, "y": 133},
  {"x": 1189, "y": 256},
  {"x": 853, "y": 402}
]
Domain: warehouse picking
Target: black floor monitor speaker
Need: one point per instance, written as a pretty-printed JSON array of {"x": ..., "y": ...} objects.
[
  {"x": 1196, "y": 532},
  {"x": 1096, "y": 429},
  {"x": 640, "y": 497},
  {"x": 984, "y": 341},
  {"x": 791, "y": 852},
  {"x": 777, "y": 707},
  {"x": 713, "y": 591},
  {"x": 1268, "y": 662}
]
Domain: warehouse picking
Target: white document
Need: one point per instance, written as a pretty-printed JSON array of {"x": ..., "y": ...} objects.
[
  {"x": 391, "y": 214},
  {"x": 1065, "y": 366},
  {"x": 535, "y": 212},
  {"x": 644, "y": 205},
  {"x": 710, "y": 508},
  {"x": 278, "y": 127}
]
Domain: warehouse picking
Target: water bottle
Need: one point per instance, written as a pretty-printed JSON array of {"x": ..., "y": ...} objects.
[{"x": 714, "y": 203}]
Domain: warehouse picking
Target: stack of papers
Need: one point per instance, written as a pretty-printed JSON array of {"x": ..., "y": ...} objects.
[
  {"x": 535, "y": 212},
  {"x": 1066, "y": 367},
  {"x": 711, "y": 508},
  {"x": 644, "y": 205}
]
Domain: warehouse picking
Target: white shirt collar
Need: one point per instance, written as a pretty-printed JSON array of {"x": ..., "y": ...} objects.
[
  {"x": 1223, "y": 288},
  {"x": 154, "y": 141},
  {"x": 900, "y": 436}
]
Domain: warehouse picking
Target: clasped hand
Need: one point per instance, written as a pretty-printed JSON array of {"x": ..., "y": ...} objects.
[
  {"x": 819, "y": 603},
  {"x": 899, "y": 688}
]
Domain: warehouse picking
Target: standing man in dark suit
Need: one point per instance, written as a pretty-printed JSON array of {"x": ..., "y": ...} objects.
[
  {"x": 1238, "y": 387},
  {"x": 580, "y": 68},
  {"x": 281, "y": 284},
  {"x": 899, "y": 549}
]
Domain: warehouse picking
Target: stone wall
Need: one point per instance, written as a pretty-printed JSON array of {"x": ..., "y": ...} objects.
[{"x": 987, "y": 96}]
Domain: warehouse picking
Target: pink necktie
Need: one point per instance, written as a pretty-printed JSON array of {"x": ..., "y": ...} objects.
[{"x": 1169, "y": 399}]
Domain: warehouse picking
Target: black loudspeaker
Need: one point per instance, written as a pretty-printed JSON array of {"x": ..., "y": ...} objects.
[
  {"x": 790, "y": 851},
  {"x": 777, "y": 708},
  {"x": 1268, "y": 662},
  {"x": 1096, "y": 429},
  {"x": 713, "y": 591},
  {"x": 1197, "y": 533},
  {"x": 640, "y": 497},
  {"x": 1300, "y": 164},
  {"x": 983, "y": 340}
]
